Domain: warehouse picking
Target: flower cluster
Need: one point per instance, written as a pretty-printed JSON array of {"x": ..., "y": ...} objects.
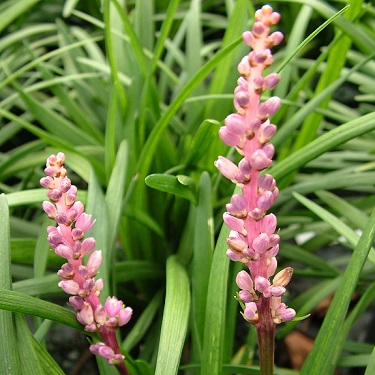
[
  {"x": 252, "y": 239},
  {"x": 77, "y": 279}
]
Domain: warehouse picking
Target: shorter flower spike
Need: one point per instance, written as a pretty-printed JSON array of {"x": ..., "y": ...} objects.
[{"x": 77, "y": 279}]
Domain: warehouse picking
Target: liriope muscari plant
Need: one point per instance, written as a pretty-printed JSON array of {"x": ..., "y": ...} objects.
[
  {"x": 78, "y": 279},
  {"x": 252, "y": 239}
]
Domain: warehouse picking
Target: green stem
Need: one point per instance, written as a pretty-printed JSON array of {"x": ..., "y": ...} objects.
[{"x": 266, "y": 337}]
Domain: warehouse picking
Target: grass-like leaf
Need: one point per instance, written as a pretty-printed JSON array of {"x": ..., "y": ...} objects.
[{"x": 175, "y": 319}]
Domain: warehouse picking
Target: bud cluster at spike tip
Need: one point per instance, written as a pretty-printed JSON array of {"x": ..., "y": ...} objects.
[
  {"x": 78, "y": 279},
  {"x": 252, "y": 239}
]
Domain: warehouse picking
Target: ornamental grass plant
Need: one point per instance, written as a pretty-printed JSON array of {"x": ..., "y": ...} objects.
[{"x": 134, "y": 94}]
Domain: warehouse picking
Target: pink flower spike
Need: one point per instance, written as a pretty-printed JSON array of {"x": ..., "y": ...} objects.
[{"x": 124, "y": 316}]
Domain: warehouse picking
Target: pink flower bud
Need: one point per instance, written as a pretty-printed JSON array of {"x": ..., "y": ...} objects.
[
  {"x": 94, "y": 261},
  {"x": 54, "y": 194},
  {"x": 288, "y": 314},
  {"x": 234, "y": 256},
  {"x": 65, "y": 184},
  {"x": 69, "y": 286},
  {"x": 258, "y": 29},
  {"x": 64, "y": 251},
  {"x": 88, "y": 245},
  {"x": 113, "y": 306},
  {"x": 124, "y": 316},
  {"x": 49, "y": 209},
  {"x": 234, "y": 223},
  {"x": 276, "y": 38},
  {"x": 236, "y": 123},
  {"x": 266, "y": 200},
  {"x": 260, "y": 243},
  {"x": 244, "y": 67},
  {"x": 269, "y": 107},
  {"x": 271, "y": 81},
  {"x": 71, "y": 196},
  {"x": 84, "y": 222},
  {"x": 268, "y": 224},
  {"x": 259, "y": 160},
  {"x": 241, "y": 98},
  {"x": 244, "y": 281},
  {"x": 267, "y": 131},
  {"x": 62, "y": 219},
  {"x": 100, "y": 315},
  {"x": 248, "y": 38},
  {"x": 76, "y": 302},
  {"x": 250, "y": 312},
  {"x": 47, "y": 182},
  {"x": 277, "y": 291},
  {"x": 236, "y": 241},
  {"x": 268, "y": 149},
  {"x": 261, "y": 284},
  {"x": 266, "y": 182},
  {"x": 229, "y": 138},
  {"x": 227, "y": 168},
  {"x": 245, "y": 296},
  {"x": 271, "y": 268}
]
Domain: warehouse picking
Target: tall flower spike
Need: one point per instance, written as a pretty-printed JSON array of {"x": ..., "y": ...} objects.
[
  {"x": 252, "y": 239},
  {"x": 77, "y": 279}
]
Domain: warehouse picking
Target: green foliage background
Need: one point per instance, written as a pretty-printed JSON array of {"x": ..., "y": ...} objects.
[{"x": 134, "y": 92}]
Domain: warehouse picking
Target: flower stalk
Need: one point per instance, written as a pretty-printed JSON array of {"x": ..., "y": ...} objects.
[
  {"x": 78, "y": 279},
  {"x": 253, "y": 240}
]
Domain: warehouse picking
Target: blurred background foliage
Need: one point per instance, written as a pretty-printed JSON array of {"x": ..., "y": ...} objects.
[{"x": 134, "y": 92}]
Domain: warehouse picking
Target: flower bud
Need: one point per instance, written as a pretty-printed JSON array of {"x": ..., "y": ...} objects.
[{"x": 283, "y": 277}]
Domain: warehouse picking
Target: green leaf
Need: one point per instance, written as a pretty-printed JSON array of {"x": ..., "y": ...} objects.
[
  {"x": 328, "y": 344},
  {"x": 22, "y": 303},
  {"x": 10, "y": 363},
  {"x": 171, "y": 184},
  {"x": 14, "y": 10},
  {"x": 202, "y": 258},
  {"x": 326, "y": 142},
  {"x": 215, "y": 315},
  {"x": 370, "y": 369},
  {"x": 335, "y": 222},
  {"x": 175, "y": 319},
  {"x": 200, "y": 144}
]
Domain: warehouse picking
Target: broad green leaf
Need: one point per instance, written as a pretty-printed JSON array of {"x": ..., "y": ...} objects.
[
  {"x": 175, "y": 319},
  {"x": 171, "y": 184}
]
